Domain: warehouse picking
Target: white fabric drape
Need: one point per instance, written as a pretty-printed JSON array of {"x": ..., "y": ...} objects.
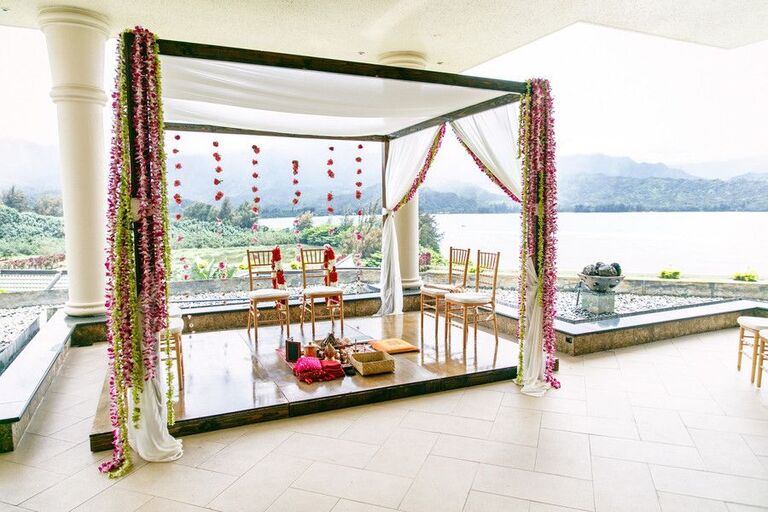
[
  {"x": 491, "y": 136},
  {"x": 533, "y": 345},
  {"x": 404, "y": 161},
  {"x": 151, "y": 440},
  {"x": 300, "y": 101}
]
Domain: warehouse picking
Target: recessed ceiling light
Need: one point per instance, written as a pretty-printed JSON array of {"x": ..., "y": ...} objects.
[
  {"x": 361, "y": 53},
  {"x": 4, "y": 9},
  {"x": 440, "y": 63}
]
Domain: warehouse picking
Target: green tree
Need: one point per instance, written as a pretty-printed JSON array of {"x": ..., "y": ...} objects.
[
  {"x": 49, "y": 205},
  {"x": 226, "y": 209},
  {"x": 16, "y": 199},
  {"x": 200, "y": 211},
  {"x": 429, "y": 234}
]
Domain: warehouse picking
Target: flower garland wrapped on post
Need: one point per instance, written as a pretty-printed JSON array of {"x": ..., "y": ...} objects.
[
  {"x": 538, "y": 215},
  {"x": 138, "y": 252}
]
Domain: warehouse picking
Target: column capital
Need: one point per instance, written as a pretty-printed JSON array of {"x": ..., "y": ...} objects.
[
  {"x": 78, "y": 92},
  {"x": 66, "y": 15}
]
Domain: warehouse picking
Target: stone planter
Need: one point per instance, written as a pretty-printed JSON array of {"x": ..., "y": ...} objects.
[{"x": 601, "y": 284}]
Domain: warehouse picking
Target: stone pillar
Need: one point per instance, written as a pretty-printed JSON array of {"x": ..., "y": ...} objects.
[
  {"x": 407, "y": 217},
  {"x": 76, "y": 40}
]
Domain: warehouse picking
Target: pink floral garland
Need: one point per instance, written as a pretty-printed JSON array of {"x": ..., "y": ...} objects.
[
  {"x": 434, "y": 147},
  {"x": 137, "y": 311},
  {"x": 539, "y": 212}
]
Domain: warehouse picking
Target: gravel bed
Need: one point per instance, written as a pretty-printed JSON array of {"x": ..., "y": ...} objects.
[
  {"x": 13, "y": 321},
  {"x": 626, "y": 304}
]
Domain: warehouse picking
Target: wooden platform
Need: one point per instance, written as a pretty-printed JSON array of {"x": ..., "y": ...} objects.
[{"x": 231, "y": 381}]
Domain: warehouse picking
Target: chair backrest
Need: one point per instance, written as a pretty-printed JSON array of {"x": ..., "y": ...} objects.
[
  {"x": 458, "y": 262},
  {"x": 487, "y": 271},
  {"x": 259, "y": 267},
  {"x": 313, "y": 265}
]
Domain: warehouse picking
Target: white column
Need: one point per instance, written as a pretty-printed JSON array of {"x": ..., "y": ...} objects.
[
  {"x": 76, "y": 39},
  {"x": 407, "y": 217},
  {"x": 407, "y": 230}
]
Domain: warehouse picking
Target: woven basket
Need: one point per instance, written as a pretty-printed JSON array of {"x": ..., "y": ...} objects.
[{"x": 372, "y": 363}]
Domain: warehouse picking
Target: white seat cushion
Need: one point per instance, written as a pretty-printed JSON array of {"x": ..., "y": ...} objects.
[
  {"x": 316, "y": 291},
  {"x": 435, "y": 292},
  {"x": 440, "y": 286},
  {"x": 753, "y": 322},
  {"x": 176, "y": 325},
  {"x": 268, "y": 293},
  {"x": 469, "y": 298},
  {"x": 174, "y": 311}
]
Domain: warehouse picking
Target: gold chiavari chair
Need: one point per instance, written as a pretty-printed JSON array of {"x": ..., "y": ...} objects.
[
  {"x": 475, "y": 306},
  {"x": 313, "y": 268},
  {"x": 260, "y": 270},
  {"x": 749, "y": 340},
  {"x": 762, "y": 355},
  {"x": 433, "y": 294}
]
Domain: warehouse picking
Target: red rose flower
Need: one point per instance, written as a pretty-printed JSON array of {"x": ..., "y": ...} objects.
[
  {"x": 297, "y": 193},
  {"x": 256, "y": 149},
  {"x": 358, "y": 184},
  {"x": 222, "y": 264},
  {"x": 217, "y": 156},
  {"x": 218, "y": 195},
  {"x": 186, "y": 277},
  {"x": 329, "y": 196},
  {"x": 359, "y": 146},
  {"x": 175, "y": 151},
  {"x": 295, "y": 172},
  {"x": 358, "y": 236},
  {"x": 331, "y": 174},
  {"x": 255, "y": 175},
  {"x": 359, "y": 171},
  {"x": 178, "y": 165},
  {"x": 180, "y": 238},
  {"x": 330, "y": 209},
  {"x": 177, "y": 183},
  {"x": 177, "y": 198},
  {"x": 254, "y": 162},
  {"x": 360, "y": 212},
  {"x": 177, "y": 137},
  {"x": 295, "y": 181},
  {"x": 330, "y": 161},
  {"x": 257, "y": 200},
  {"x": 255, "y": 210},
  {"x": 218, "y": 168},
  {"x": 358, "y": 194},
  {"x": 215, "y": 143},
  {"x": 254, "y": 189},
  {"x": 330, "y": 148},
  {"x": 254, "y": 226},
  {"x": 178, "y": 216},
  {"x": 295, "y": 200},
  {"x": 217, "y": 181}
]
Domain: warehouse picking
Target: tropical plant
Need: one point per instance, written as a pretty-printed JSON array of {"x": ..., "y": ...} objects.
[
  {"x": 669, "y": 274},
  {"x": 750, "y": 277}
]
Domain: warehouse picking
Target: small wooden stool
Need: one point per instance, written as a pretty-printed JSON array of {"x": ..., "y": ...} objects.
[{"x": 750, "y": 325}]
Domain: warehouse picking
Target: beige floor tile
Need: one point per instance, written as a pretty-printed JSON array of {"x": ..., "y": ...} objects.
[
  {"x": 245, "y": 451},
  {"x": 529, "y": 485},
  {"x": 725, "y": 423},
  {"x": 545, "y": 507},
  {"x": 646, "y": 451},
  {"x": 355, "y": 506},
  {"x": 735, "y": 507},
  {"x": 164, "y": 505},
  {"x": 519, "y": 426},
  {"x": 623, "y": 485},
  {"x": 261, "y": 485},
  {"x": 114, "y": 500},
  {"x": 605, "y": 359},
  {"x": 375, "y": 425},
  {"x": 5, "y": 507},
  {"x": 45, "y": 422},
  {"x": 572, "y": 387},
  {"x": 488, "y": 452},
  {"x": 329, "y": 424},
  {"x": 483, "y": 405},
  {"x": 714, "y": 486},
  {"x": 60, "y": 402},
  {"x": 70, "y": 492},
  {"x": 485, "y": 502},
  {"x": 440, "y": 403},
  {"x": 662, "y": 426},
  {"x": 74, "y": 459},
  {"x": 75, "y": 433},
  {"x": 758, "y": 444},
  {"x": 176, "y": 482},
  {"x": 19, "y": 483},
  {"x": 609, "y": 404},
  {"x": 564, "y": 453},
  {"x": 545, "y": 403},
  {"x": 197, "y": 451},
  {"x": 675, "y": 403},
  {"x": 354, "y": 484},
  {"x": 590, "y": 425},
  {"x": 724, "y": 452},
  {"x": 403, "y": 453},
  {"x": 679, "y": 503},
  {"x": 442, "y": 484},
  {"x": 295, "y": 499},
  {"x": 327, "y": 449},
  {"x": 446, "y": 424},
  {"x": 34, "y": 449}
]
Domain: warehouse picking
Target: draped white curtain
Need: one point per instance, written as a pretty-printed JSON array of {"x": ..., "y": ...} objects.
[
  {"x": 151, "y": 440},
  {"x": 404, "y": 161},
  {"x": 491, "y": 136}
]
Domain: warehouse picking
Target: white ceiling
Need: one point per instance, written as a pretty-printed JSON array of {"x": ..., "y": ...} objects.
[{"x": 454, "y": 34}]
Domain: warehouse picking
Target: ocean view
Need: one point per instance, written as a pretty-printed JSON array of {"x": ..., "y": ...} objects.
[{"x": 696, "y": 243}]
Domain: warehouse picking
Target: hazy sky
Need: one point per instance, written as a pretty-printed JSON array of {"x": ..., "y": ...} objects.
[{"x": 616, "y": 92}]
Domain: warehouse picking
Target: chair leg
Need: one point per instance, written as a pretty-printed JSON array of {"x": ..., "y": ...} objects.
[
  {"x": 446, "y": 312},
  {"x": 421, "y": 302},
  {"x": 341, "y": 312},
  {"x": 760, "y": 359},
  {"x": 179, "y": 359},
  {"x": 465, "y": 329},
  {"x": 250, "y": 312},
  {"x": 437, "y": 316},
  {"x": 495, "y": 329},
  {"x": 256, "y": 322},
  {"x": 755, "y": 348},
  {"x": 287, "y": 319},
  {"x": 741, "y": 348},
  {"x": 476, "y": 312},
  {"x": 312, "y": 316},
  {"x": 303, "y": 306}
]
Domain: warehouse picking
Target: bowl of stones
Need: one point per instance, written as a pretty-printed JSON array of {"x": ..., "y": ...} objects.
[{"x": 601, "y": 277}]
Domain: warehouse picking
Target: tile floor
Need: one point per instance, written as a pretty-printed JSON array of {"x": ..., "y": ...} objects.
[{"x": 669, "y": 426}]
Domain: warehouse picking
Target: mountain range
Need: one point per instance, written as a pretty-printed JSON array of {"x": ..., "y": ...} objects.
[{"x": 586, "y": 182}]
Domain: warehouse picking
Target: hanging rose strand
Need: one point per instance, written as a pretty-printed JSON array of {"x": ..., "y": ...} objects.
[
  {"x": 256, "y": 208},
  {"x": 136, "y": 311},
  {"x": 359, "y": 197},
  {"x": 295, "y": 203},
  {"x": 538, "y": 215},
  {"x": 329, "y": 196}
]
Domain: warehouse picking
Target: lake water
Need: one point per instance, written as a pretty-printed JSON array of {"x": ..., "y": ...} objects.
[{"x": 696, "y": 243}]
